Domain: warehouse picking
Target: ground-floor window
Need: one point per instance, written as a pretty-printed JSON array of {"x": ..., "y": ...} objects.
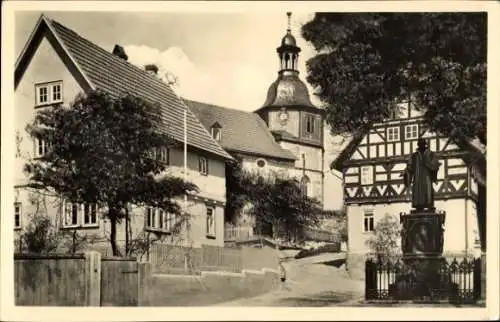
[
  {"x": 368, "y": 223},
  {"x": 80, "y": 214},
  {"x": 210, "y": 217},
  {"x": 158, "y": 219}
]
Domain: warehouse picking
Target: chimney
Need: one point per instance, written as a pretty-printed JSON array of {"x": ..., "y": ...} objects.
[
  {"x": 152, "y": 69},
  {"x": 120, "y": 52}
]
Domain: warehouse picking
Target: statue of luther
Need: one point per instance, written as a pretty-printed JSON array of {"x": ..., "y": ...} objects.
[{"x": 421, "y": 171}]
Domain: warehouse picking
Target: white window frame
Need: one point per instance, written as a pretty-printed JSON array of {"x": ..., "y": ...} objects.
[
  {"x": 368, "y": 221},
  {"x": 393, "y": 134},
  {"x": 411, "y": 131},
  {"x": 42, "y": 147},
  {"x": 80, "y": 219},
  {"x": 163, "y": 155},
  {"x": 18, "y": 213},
  {"x": 93, "y": 216},
  {"x": 50, "y": 91},
  {"x": 366, "y": 175},
  {"x": 210, "y": 222},
  {"x": 203, "y": 166},
  {"x": 216, "y": 133},
  {"x": 158, "y": 219}
]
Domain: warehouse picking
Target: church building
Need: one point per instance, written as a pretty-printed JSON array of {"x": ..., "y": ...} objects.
[{"x": 284, "y": 136}]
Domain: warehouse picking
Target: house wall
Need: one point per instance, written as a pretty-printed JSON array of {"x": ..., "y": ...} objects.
[
  {"x": 46, "y": 66},
  {"x": 456, "y": 240}
]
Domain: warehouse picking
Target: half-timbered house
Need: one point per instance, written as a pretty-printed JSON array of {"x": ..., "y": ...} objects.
[{"x": 372, "y": 166}]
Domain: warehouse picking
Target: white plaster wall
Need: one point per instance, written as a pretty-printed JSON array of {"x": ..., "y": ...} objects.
[
  {"x": 45, "y": 66},
  {"x": 455, "y": 226}
]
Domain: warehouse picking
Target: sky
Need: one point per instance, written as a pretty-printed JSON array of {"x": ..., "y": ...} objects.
[{"x": 227, "y": 59}]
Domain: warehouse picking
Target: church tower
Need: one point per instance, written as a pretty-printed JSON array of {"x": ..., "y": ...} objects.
[{"x": 295, "y": 122}]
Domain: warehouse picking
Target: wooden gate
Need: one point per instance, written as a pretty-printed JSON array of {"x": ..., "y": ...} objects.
[{"x": 119, "y": 282}]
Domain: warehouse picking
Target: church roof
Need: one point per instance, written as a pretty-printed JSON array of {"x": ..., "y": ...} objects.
[
  {"x": 100, "y": 69},
  {"x": 242, "y": 131},
  {"x": 288, "y": 90}
]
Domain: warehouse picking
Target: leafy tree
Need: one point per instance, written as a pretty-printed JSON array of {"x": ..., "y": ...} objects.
[
  {"x": 238, "y": 183},
  {"x": 103, "y": 151},
  {"x": 385, "y": 241},
  {"x": 40, "y": 236},
  {"x": 275, "y": 201},
  {"x": 367, "y": 62},
  {"x": 281, "y": 203}
]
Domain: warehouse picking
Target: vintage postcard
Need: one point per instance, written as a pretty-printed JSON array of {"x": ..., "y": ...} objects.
[{"x": 249, "y": 160}]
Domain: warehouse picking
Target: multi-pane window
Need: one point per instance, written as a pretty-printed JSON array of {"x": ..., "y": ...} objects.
[
  {"x": 368, "y": 225},
  {"x": 158, "y": 219},
  {"x": 366, "y": 175},
  {"x": 411, "y": 131},
  {"x": 210, "y": 222},
  {"x": 393, "y": 134},
  {"x": 17, "y": 214},
  {"x": 43, "y": 94},
  {"x": 89, "y": 214},
  {"x": 163, "y": 155},
  {"x": 80, "y": 214},
  {"x": 203, "y": 165},
  {"x": 56, "y": 93},
  {"x": 42, "y": 147},
  {"x": 48, "y": 93}
]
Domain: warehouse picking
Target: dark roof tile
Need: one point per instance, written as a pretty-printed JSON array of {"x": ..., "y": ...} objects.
[
  {"x": 241, "y": 131},
  {"x": 116, "y": 76}
]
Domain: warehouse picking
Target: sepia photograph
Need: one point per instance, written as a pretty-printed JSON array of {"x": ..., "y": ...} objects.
[{"x": 268, "y": 157}]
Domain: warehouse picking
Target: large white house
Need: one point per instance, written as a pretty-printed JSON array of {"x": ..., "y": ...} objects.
[{"x": 55, "y": 65}]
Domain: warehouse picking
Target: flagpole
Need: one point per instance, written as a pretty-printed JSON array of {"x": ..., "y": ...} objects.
[
  {"x": 172, "y": 82},
  {"x": 185, "y": 167}
]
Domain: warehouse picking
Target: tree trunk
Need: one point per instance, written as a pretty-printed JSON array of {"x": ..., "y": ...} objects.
[{"x": 112, "y": 218}]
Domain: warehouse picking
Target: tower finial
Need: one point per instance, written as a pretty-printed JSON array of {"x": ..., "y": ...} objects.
[{"x": 289, "y": 14}]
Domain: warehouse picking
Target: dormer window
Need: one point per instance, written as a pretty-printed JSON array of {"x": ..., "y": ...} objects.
[
  {"x": 48, "y": 93},
  {"x": 216, "y": 131}
]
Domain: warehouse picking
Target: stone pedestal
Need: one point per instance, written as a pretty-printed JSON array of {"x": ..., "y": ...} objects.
[{"x": 422, "y": 239}]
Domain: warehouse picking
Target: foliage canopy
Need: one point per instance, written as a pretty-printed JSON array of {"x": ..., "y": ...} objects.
[
  {"x": 368, "y": 62},
  {"x": 105, "y": 150}
]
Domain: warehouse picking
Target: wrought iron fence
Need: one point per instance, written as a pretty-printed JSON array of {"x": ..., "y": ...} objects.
[{"x": 456, "y": 281}]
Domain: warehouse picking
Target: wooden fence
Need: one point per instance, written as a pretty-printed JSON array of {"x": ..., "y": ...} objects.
[
  {"x": 237, "y": 233},
  {"x": 50, "y": 280},
  {"x": 177, "y": 259},
  {"x": 75, "y": 280}
]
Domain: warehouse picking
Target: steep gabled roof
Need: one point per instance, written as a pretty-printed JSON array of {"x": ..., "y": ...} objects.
[
  {"x": 242, "y": 131},
  {"x": 102, "y": 70}
]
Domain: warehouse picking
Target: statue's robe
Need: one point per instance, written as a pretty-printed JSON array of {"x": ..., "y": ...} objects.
[{"x": 421, "y": 172}]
